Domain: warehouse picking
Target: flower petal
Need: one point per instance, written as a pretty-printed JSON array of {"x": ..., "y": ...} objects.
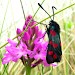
[
  {"x": 26, "y": 36},
  {"x": 18, "y": 31}
]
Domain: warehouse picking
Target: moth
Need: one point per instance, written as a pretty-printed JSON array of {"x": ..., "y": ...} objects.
[{"x": 54, "y": 52}]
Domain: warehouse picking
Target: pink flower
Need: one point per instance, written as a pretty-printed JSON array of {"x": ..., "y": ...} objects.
[
  {"x": 13, "y": 53},
  {"x": 32, "y": 46}
]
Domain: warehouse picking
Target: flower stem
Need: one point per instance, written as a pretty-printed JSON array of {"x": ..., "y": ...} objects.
[{"x": 28, "y": 70}]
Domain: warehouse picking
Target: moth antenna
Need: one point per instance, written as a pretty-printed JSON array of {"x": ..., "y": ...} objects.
[
  {"x": 44, "y": 9},
  {"x": 53, "y": 11}
]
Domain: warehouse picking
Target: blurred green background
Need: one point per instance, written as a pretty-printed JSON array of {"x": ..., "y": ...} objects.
[{"x": 11, "y": 17}]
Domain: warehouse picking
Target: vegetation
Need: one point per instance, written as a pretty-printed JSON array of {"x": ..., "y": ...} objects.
[{"x": 11, "y": 17}]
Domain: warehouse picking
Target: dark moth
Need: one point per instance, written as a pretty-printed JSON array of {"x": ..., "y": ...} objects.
[{"x": 54, "y": 52}]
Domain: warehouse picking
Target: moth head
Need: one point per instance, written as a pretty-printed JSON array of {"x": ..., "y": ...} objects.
[{"x": 55, "y": 26}]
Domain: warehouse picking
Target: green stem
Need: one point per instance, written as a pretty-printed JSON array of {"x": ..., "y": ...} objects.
[
  {"x": 59, "y": 11},
  {"x": 44, "y": 20},
  {"x": 38, "y": 9},
  {"x": 28, "y": 70}
]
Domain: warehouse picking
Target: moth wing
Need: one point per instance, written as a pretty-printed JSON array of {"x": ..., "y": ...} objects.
[
  {"x": 49, "y": 57},
  {"x": 57, "y": 46}
]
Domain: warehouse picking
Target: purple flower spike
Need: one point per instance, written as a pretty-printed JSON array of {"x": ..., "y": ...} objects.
[
  {"x": 31, "y": 47},
  {"x": 30, "y": 21}
]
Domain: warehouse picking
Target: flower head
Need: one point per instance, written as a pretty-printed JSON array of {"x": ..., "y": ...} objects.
[{"x": 31, "y": 47}]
